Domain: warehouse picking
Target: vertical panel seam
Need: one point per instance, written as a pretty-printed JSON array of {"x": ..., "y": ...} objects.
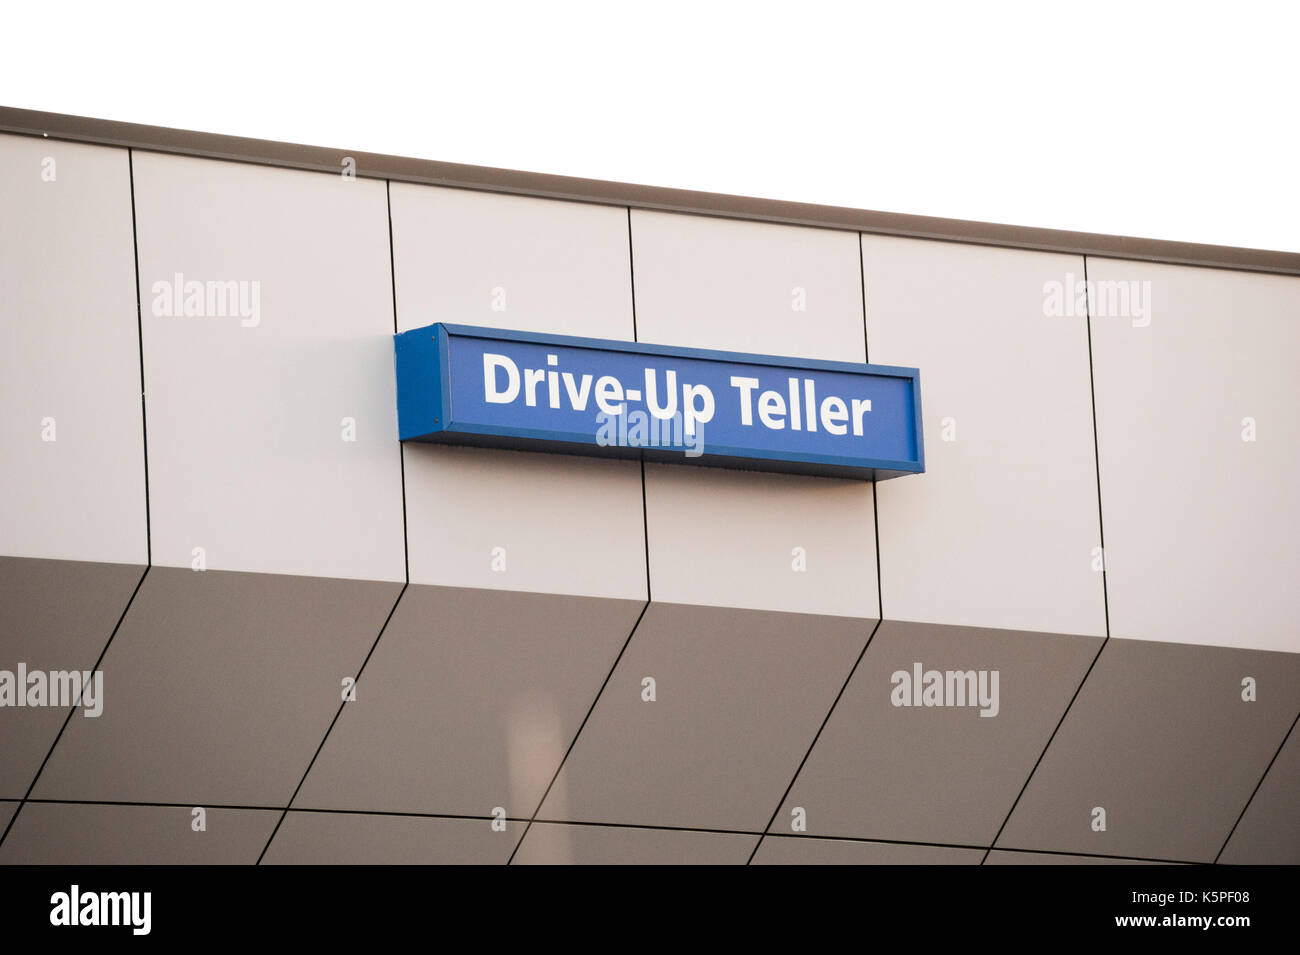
[
  {"x": 1096, "y": 458},
  {"x": 875, "y": 499},
  {"x": 139, "y": 327},
  {"x": 401, "y": 448},
  {"x": 1096, "y": 451},
  {"x": 645, "y": 515}
]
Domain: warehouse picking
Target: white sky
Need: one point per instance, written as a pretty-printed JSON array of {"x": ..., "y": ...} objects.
[{"x": 1175, "y": 120}]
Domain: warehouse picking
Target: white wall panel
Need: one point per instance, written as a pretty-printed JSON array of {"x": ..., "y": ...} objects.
[
  {"x": 747, "y": 286},
  {"x": 729, "y": 538},
  {"x": 505, "y": 519},
  {"x": 732, "y": 539},
  {"x": 247, "y": 450},
  {"x": 71, "y": 353},
  {"x": 1000, "y": 530},
  {"x": 1202, "y": 525},
  {"x": 532, "y": 265}
]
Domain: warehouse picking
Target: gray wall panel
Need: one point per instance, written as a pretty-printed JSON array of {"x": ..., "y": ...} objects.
[
  {"x": 345, "y": 838},
  {"x": 55, "y": 615},
  {"x": 218, "y": 687},
  {"x": 82, "y": 834},
  {"x": 469, "y": 702},
  {"x": 1002, "y": 857},
  {"x": 937, "y": 774},
  {"x": 552, "y": 844},
  {"x": 1269, "y": 831},
  {"x": 1161, "y": 739},
  {"x": 782, "y": 850},
  {"x": 738, "y": 698}
]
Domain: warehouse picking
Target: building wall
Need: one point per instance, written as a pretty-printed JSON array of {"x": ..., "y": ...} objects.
[{"x": 215, "y": 511}]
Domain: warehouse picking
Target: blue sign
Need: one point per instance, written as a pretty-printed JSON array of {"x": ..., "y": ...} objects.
[{"x": 458, "y": 384}]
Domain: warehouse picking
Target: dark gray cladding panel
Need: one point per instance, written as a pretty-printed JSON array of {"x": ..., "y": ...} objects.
[
  {"x": 803, "y": 850},
  {"x": 469, "y": 702},
  {"x": 739, "y": 695},
  {"x": 347, "y": 838},
  {"x": 1004, "y": 857},
  {"x": 936, "y": 773},
  {"x": 555, "y": 844},
  {"x": 54, "y": 615},
  {"x": 218, "y": 687},
  {"x": 1269, "y": 832},
  {"x": 81, "y": 834},
  {"x": 1162, "y": 740}
]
